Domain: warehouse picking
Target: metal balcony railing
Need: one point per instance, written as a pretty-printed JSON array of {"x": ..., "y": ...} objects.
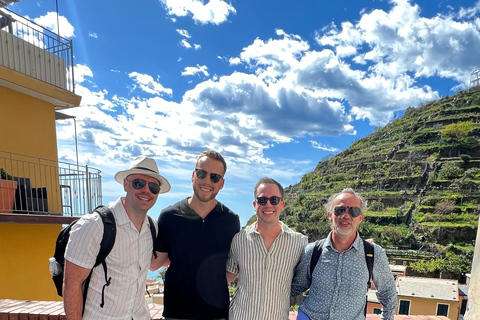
[
  {"x": 41, "y": 186},
  {"x": 37, "y": 52}
]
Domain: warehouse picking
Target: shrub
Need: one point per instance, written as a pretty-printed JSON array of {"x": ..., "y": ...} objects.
[
  {"x": 449, "y": 170},
  {"x": 466, "y": 158}
]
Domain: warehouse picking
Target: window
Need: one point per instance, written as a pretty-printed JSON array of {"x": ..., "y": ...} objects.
[
  {"x": 442, "y": 309},
  {"x": 404, "y": 307},
  {"x": 377, "y": 311},
  {"x": 464, "y": 306}
]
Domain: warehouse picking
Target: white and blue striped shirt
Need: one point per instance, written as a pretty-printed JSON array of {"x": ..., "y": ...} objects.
[{"x": 264, "y": 276}]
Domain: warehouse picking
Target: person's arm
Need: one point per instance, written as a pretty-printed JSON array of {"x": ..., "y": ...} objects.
[
  {"x": 385, "y": 284},
  {"x": 231, "y": 276},
  {"x": 73, "y": 279},
  {"x": 301, "y": 280},
  {"x": 161, "y": 261}
]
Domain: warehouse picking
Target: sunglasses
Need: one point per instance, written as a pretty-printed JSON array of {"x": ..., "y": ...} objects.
[
  {"x": 274, "y": 200},
  {"x": 352, "y": 211},
  {"x": 214, "y": 177},
  {"x": 138, "y": 184}
]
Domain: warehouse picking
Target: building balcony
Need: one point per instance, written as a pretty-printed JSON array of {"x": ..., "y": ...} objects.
[
  {"x": 40, "y": 190},
  {"x": 32, "y": 50}
]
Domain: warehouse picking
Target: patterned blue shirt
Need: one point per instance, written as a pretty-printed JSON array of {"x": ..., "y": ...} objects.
[{"x": 339, "y": 285}]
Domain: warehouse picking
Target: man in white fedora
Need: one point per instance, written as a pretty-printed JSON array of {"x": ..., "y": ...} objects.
[{"x": 127, "y": 263}]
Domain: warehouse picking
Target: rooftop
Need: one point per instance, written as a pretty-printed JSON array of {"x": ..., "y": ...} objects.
[{"x": 428, "y": 288}]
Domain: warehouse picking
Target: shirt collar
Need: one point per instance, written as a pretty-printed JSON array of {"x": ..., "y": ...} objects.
[
  {"x": 121, "y": 215},
  {"x": 253, "y": 228},
  {"x": 355, "y": 244}
]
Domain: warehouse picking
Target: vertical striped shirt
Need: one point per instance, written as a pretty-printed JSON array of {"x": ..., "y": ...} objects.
[
  {"x": 264, "y": 276},
  {"x": 127, "y": 265}
]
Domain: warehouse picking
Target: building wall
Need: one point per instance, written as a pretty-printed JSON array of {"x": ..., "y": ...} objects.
[
  {"x": 30, "y": 128},
  {"x": 24, "y": 253},
  {"x": 29, "y": 124},
  {"x": 429, "y": 306}
]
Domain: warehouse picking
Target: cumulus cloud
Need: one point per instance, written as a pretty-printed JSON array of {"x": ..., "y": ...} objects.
[
  {"x": 49, "y": 21},
  {"x": 288, "y": 88},
  {"x": 147, "y": 84},
  {"x": 191, "y": 71},
  {"x": 212, "y": 12}
]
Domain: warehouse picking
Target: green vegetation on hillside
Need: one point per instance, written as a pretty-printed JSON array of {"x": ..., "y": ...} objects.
[{"x": 421, "y": 176}]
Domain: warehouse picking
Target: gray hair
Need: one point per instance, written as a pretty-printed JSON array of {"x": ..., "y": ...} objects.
[{"x": 363, "y": 202}]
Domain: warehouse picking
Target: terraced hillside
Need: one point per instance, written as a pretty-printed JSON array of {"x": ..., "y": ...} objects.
[{"x": 421, "y": 176}]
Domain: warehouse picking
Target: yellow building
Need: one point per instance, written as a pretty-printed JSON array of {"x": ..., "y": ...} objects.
[
  {"x": 36, "y": 81},
  {"x": 428, "y": 296}
]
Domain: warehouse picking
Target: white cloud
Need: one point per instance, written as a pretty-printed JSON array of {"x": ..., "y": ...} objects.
[
  {"x": 147, "y": 84},
  {"x": 184, "y": 33},
  {"x": 81, "y": 71},
  {"x": 184, "y": 43},
  {"x": 93, "y": 35},
  {"x": 191, "y": 71},
  {"x": 320, "y": 146},
  {"x": 214, "y": 11},
  {"x": 366, "y": 70},
  {"x": 49, "y": 21}
]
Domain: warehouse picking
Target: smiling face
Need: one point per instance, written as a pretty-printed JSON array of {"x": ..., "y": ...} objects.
[
  {"x": 268, "y": 214},
  {"x": 204, "y": 189},
  {"x": 345, "y": 225},
  {"x": 140, "y": 200}
]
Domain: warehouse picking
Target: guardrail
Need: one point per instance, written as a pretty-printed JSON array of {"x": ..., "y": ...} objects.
[
  {"x": 37, "y": 52},
  {"x": 48, "y": 187}
]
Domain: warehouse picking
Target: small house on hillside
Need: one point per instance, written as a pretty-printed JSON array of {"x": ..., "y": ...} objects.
[{"x": 428, "y": 296}]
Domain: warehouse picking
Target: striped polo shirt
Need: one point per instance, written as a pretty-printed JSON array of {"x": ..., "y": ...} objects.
[{"x": 264, "y": 276}]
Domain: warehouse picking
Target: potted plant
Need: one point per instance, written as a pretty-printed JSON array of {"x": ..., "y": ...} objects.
[{"x": 7, "y": 192}]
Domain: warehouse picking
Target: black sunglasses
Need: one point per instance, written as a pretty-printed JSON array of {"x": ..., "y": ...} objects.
[
  {"x": 138, "y": 184},
  {"x": 214, "y": 177},
  {"x": 352, "y": 211},
  {"x": 274, "y": 200}
]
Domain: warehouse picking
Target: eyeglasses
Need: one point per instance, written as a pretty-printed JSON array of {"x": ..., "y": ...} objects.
[
  {"x": 352, "y": 211},
  {"x": 214, "y": 177},
  {"x": 274, "y": 200},
  {"x": 138, "y": 184}
]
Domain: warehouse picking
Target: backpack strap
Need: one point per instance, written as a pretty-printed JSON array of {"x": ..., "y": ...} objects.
[
  {"x": 154, "y": 233},
  {"x": 317, "y": 252},
  {"x": 369, "y": 258},
  {"x": 106, "y": 245}
]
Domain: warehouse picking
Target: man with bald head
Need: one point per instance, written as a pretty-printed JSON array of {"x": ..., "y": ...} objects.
[{"x": 338, "y": 283}]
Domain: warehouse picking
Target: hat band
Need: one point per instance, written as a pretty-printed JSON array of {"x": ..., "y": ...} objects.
[{"x": 143, "y": 168}]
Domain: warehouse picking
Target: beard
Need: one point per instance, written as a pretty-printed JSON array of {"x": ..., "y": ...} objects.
[{"x": 203, "y": 198}]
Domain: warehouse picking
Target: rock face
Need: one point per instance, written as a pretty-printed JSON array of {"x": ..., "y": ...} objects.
[{"x": 420, "y": 175}]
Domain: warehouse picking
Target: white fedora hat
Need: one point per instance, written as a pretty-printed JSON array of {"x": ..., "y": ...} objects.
[{"x": 146, "y": 166}]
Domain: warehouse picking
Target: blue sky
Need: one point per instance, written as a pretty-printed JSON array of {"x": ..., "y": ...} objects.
[{"x": 275, "y": 86}]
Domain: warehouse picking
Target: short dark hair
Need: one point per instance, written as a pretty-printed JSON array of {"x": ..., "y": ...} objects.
[
  {"x": 363, "y": 202},
  {"x": 266, "y": 180},
  {"x": 215, "y": 156}
]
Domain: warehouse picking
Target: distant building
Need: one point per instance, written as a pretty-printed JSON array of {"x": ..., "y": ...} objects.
[{"x": 428, "y": 296}]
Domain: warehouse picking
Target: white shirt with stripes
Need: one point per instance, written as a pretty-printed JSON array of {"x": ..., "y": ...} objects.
[
  {"x": 264, "y": 276},
  {"x": 127, "y": 265}
]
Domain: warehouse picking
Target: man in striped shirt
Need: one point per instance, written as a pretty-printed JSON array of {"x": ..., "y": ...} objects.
[
  {"x": 129, "y": 260},
  {"x": 264, "y": 256}
]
